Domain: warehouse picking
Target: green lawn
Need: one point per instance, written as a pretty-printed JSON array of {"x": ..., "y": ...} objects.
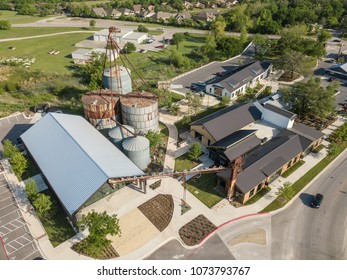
[
  {"x": 184, "y": 163},
  {"x": 17, "y": 32},
  {"x": 292, "y": 169},
  {"x": 181, "y": 126},
  {"x": 192, "y": 41},
  {"x": 38, "y": 48},
  {"x": 56, "y": 224},
  {"x": 91, "y": 3},
  {"x": 258, "y": 196},
  {"x": 13, "y": 18},
  {"x": 203, "y": 188}
]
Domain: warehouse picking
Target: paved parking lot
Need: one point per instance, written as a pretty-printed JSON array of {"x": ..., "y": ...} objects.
[
  {"x": 15, "y": 235},
  {"x": 13, "y": 126}
]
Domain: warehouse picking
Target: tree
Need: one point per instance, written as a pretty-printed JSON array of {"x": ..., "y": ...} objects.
[
  {"x": 31, "y": 190},
  {"x": 19, "y": 164},
  {"x": 218, "y": 27},
  {"x": 129, "y": 47},
  {"x": 42, "y": 204},
  {"x": 100, "y": 225},
  {"x": 179, "y": 60},
  {"x": 92, "y": 71},
  {"x": 177, "y": 38},
  {"x": 195, "y": 151},
  {"x": 311, "y": 100},
  {"x": 196, "y": 102},
  {"x": 9, "y": 149},
  {"x": 225, "y": 100},
  {"x": 293, "y": 62},
  {"x": 142, "y": 28},
  {"x": 261, "y": 44},
  {"x": 154, "y": 138},
  {"x": 324, "y": 36},
  {"x": 240, "y": 19},
  {"x": 286, "y": 193},
  {"x": 5, "y": 25},
  {"x": 92, "y": 23},
  {"x": 174, "y": 109}
]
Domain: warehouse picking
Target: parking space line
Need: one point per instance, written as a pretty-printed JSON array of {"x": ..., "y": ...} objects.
[{"x": 31, "y": 254}]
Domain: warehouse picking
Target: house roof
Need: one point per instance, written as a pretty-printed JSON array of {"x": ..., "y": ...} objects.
[
  {"x": 137, "y": 8},
  {"x": 233, "y": 138},
  {"x": 75, "y": 158},
  {"x": 279, "y": 110},
  {"x": 242, "y": 147},
  {"x": 241, "y": 76},
  {"x": 307, "y": 132},
  {"x": 125, "y": 10},
  {"x": 185, "y": 15},
  {"x": 266, "y": 159},
  {"x": 162, "y": 15},
  {"x": 231, "y": 121},
  {"x": 99, "y": 11},
  {"x": 339, "y": 68}
]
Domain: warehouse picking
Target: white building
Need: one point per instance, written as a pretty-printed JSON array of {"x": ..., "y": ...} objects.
[
  {"x": 123, "y": 36},
  {"x": 81, "y": 56}
]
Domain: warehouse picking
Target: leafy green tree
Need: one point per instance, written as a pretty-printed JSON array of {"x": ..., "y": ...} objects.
[
  {"x": 174, "y": 109},
  {"x": 240, "y": 19},
  {"x": 19, "y": 164},
  {"x": 177, "y": 38},
  {"x": 92, "y": 23},
  {"x": 324, "y": 36},
  {"x": 5, "y": 25},
  {"x": 229, "y": 46},
  {"x": 179, "y": 60},
  {"x": 261, "y": 44},
  {"x": 225, "y": 100},
  {"x": 195, "y": 151},
  {"x": 293, "y": 62},
  {"x": 129, "y": 47},
  {"x": 42, "y": 204},
  {"x": 31, "y": 190},
  {"x": 100, "y": 225},
  {"x": 92, "y": 71},
  {"x": 9, "y": 149},
  {"x": 142, "y": 28},
  {"x": 196, "y": 102},
  {"x": 311, "y": 100},
  {"x": 154, "y": 138},
  {"x": 218, "y": 27},
  {"x": 286, "y": 192}
]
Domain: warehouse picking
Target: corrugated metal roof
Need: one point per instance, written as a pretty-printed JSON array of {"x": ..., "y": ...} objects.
[
  {"x": 136, "y": 143},
  {"x": 75, "y": 158}
]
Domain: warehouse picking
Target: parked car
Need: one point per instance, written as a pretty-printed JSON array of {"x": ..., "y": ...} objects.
[
  {"x": 317, "y": 200},
  {"x": 160, "y": 29},
  {"x": 332, "y": 79},
  {"x": 337, "y": 40},
  {"x": 331, "y": 60},
  {"x": 220, "y": 74},
  {"x": 159, "y": 47}
]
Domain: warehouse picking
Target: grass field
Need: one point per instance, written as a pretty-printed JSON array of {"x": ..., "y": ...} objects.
[
  {"x": 38, "y": 48},
  {"x": 17, "y": 32},
  {"x": 184, "y": 163},
  {"x": 203, "y": 188},
  {"x": 90, "y": 3},
  {"x": 13, "y": 18}
]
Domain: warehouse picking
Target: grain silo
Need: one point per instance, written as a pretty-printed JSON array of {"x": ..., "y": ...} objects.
[
  {"x": 121, "y": 80},
  {"x": 140, "y": 113},
  {"x": 101, "y": 109},
  {"x": 136, "y": 148},
  {"x": 118, "y": 133}
]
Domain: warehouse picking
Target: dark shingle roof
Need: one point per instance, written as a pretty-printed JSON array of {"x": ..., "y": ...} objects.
[
  {"x": 230, "y": 122},
  {"x": 278, "y": 110},
  {"x": 233, "y": 138},
  {"x": 242, "y": 147},
  {"x": 307, "y": 132},
  {"x": 267, "y": 158}
]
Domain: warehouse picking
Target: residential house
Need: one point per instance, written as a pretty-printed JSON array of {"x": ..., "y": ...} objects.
[
  {"x": 115, "y": 13},
  {"x": 147, "y": 14},
  {"x": 265, "y": 136},
  {"x": 184, "y": 15},
  {"x": 100, "y": 12},
  {"x": 126, "y": 12},
  {"x": 151, "y": 8},
  {"x": 338, "y": 70},
  {"x": 209, "y": 4},
  {"x": 206, "y": 16},
  {"x": 199, "y": 5},
  {"x": 137, "y": 9},
  {"x": 162, "y": 15},
  {"x": 187, "y": 5},
  {"x": 236, "y": 82}
]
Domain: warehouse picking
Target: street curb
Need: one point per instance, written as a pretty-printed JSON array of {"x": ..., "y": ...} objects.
[{"x": 3, "y": 246}]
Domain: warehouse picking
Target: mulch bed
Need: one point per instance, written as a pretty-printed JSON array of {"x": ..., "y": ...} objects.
[
  {"x": 158, "y": 210},
  {"x": 109, "y": 253},
  {"x": 196, "y": 230}
]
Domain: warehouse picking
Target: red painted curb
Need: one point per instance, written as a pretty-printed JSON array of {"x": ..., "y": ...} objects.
[
  {"x": 3, "y": 246},
  {"x": 224, "y": 224}
]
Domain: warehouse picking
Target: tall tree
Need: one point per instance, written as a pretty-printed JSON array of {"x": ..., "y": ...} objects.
[
  {"x": 261, "y": 44},
  {"x": 31, "y": 190},
  {"x": 42, "y": 204},
  {"x": 92, "y": 23},
  {"x": 293, "y": 62},
  {"x": 195, "y": 151},
  {"x": 218, "y": 27}
]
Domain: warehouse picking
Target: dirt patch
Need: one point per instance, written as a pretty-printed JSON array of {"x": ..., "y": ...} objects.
[
  {"x": 287, "y": 76},
  {"x": 256, "y": 236},
  {"x": 158, "y": 210},
  {"x": 196, "y": 230}
]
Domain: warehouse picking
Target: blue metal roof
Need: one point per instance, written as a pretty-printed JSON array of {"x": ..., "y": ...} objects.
[{"x": 75, "y": 158}]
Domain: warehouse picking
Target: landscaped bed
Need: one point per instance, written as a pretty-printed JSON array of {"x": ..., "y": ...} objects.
[
  {"x": 109, "y": 253},
  {"x": 292, "y": 169},
  {"x": 204, "y": 189},
  {"x": 158, "y": 210},
  {"x": 185, "y": 163},
  {"x": 196, "y": 230}
]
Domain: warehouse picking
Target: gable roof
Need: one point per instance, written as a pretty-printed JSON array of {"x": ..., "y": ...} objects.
[
  {"x": 233, "y": 138},
  {"x": 241, "y": 76},
  {"x": 339, "y": 68},
  {"x": 279, "y": 110},
  {"x": 99, "y": 11},
  {"x": 231, "y": 121},
  {"x": 137, "y": 8},
  {"x": 75, "y": 158},
  {"x": 307, "y": 132}
]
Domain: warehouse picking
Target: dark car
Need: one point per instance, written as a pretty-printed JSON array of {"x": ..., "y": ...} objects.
[
  {"x": 332, "y": 79},
  {"x": 337, "y": 40},
  {"x": 317, "y": 200}
]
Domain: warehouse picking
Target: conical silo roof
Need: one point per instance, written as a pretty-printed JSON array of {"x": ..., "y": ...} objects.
[
  {"x": 119, "y": 132},
  {"x": 138, "y": 143}
]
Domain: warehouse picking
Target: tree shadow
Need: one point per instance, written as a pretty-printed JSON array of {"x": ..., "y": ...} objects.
[{"x": 306, "y": 198}]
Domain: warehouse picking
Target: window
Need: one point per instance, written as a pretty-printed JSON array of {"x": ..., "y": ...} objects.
[{"x": 251, "y": 192}]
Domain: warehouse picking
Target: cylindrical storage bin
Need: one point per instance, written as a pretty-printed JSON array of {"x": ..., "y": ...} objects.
[
  {"x": 140, "y": 113},
  {"x": 118, "y": 133},
  {"x": 123, "y": 76},
  {"x": 136, "y": 148},
  {"x": 101, "y": 109}
]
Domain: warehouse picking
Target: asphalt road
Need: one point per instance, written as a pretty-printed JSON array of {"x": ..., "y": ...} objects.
[
  {"x": 213, "y": 249},
  {"x": 301, "y": 232}
]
